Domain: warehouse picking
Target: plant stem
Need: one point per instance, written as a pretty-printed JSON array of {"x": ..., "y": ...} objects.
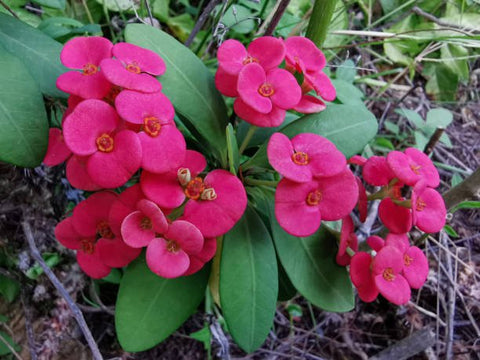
[
  {"x": 320, "y": 20},
  {"x": 247, "y": 139},
  {"x": 271, "y": 183}
]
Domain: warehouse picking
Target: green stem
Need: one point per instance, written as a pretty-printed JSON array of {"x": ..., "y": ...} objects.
[
  {"x": 404, "y": 203},
  {"x": 247, "y": 139},
  {"x": 271, "y": 183},
  {"x": 320, "y": 20},
  {"x": 377, "y": 196}
]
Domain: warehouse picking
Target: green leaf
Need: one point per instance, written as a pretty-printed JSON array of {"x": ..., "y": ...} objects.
[
  {"x": 58, "y": 27},
  {"x": 411, "y": 115},
  {"x": 51, "y": 259},
  {"x": 349, "y": 127},
  {"x": 248, "y": 281},
  {"x": 384, "y": 143},
  {"x": 452, "y": 57},
  {"x": 181, "y": 26},
  {"x": 239, "y": 19},
  {"x": 450, "y": 231},
  {"x": 9, "y": 288},
  {"x": 119, "y": 5},
  {"x": 23, "y": 120},
  {"x": 204, "y": 335},
  {"x": 439, "y": 117},
  {"x": 466, "y": 205},
  {"x": 161, "y": 9},
  {"x": 348, "y": 93},
  {"x": 189, "y": 85},
  {"x": 39, "y": 53},
  {"x": 232, "y": 150},
  {"x": 347, "y": 71},
  {"x": 392, "y": 127},
  {"x": 54, "y": 4},
  {"x": 4, "y": 350},
  {"x": 286, "y": 290},
  {"x": 420, "y": 140},
  {"x": 150, "y": 308},
  {"x": 310, "y": 265},
  {"x": 442, "y": 82},
  {"x": 456, "y": 179}
]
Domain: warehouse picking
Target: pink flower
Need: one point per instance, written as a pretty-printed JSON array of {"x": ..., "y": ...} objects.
[
  {"x": 86, "y": 54},
  {"x": 375, "y": 242},
  {"x": 57, "y": 151},
  {"x": 167, "y": 189},
  {"x": 267, "y": 51},
  {"x": 272, "y": 119},
  {"x": 309, "y": 104},
  {"x": 300, "y": 207},
  {"x": 398, "y": 219},
  {"x": 163, "y": 145},
  {"x": 362, "y": 278},
  {"x": 348, "y": 239},
  {"x": 415, "y": 267},
  {"x": 400, "y": 241},
  {"x": 262, "y": 90},
  {"x": 387, "y": 269},
  {"x": 428, "y": 208},
  {"x": 412, "y": 166},
  {"x": 197, "y": 261},
  {"x": 357, "y": 160},
  {"x": 77, "y": 175},
  {"x": 215, "y": 203},
  {"x": 91, "y": 131},
  {"x": 226, "y": 83},
  {"x": 124, "y": 205},
  {"x": 304, "y": 156},
  {"x": 377, "y": 172},
  {"x": 362, "y": 200},
  {"x": 133, "y": 67},
  {"x": 169, "y": 255}
]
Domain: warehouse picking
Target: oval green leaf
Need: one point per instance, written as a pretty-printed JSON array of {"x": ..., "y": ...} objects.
[
  {"x": 23, "y": 120},
  {"x": 150, "y": 308},
  {"x": 189, "y": 85},
  {"x": 248, "y": 281},
  {"x": 310, "y": 264},
  {"x": 349, "y": 127},
  {"x": 39, "y": 53}
]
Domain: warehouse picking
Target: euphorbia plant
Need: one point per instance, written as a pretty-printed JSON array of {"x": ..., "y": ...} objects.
[{"x": 245, "y": 204}]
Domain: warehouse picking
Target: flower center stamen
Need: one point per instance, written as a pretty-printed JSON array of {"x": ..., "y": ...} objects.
[
  {"x": 172, "y": 246},
  {"x": 300, "y": 158},
  {"x": 420, "y": 205},
  {"x": 105, "y": 143},
  {"x": 266, "y": 90},
  {"x": 133, "y": 68},
  {"x": 104, "y": 231},
  {"x": 146, "y": 224},
  {"x": 314, "y": 197},
  {"x": 87, "y": 246},
  {"x": 152, "y": 126},
  {"x": 184, "y": 176},
  {"x": 249, "y": 59},
  {"x": 208, "y": 194},
  {"x": 89, "y": 69},
  {"x": 195, "y": 188},
  {"x": 388, "y": 274},
  {"x": 415, "y": 168},
  {"x": 407, "y": 260}
]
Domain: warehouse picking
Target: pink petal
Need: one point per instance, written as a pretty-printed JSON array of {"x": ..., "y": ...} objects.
[
  {"x": 388, "y": 257},
  {"x": 195, "y": 162},
  {"x": 115, "y": 168},
  {"x": 77, "y": 176},
  {"x": 322, "y": 84},
  {"x": 133, "y": 233},
  {"x": 163, "y": 189},
  {"x": 231, "y": 55},
  {"x": 57, "y": 151},
  {"x": 155, "y": 214},
  {"x": 309, "y": 104},
  {"x": 125, "y": 204},
  {"x": 249, "y": 81},
  {"x": 89, "y": 120},
  {"x": 66, "y": 234},
  {"x": 362, "y": 277},
  {"x": 148, "y": 61},
  {"x": 377, "y": 172},
  {"x": 362, "y": 200},
  {"x": 400, "y": 165},
  {"x": 164, "y": 263},
  {"x": 90, "y": 212},
  {"x": 186, "y": 235},
  {"x": 301, "y": 49},
  {"x": 357, "y": 160},
  {"x": 396, "y": 291},
  {"x": 396, "y": 218},
  {"x": 116, "y": 73},
  {"x": 268, "y": 51},
  {"x": 94, "y": 86},
  {"x": 165, "y": 152},
  {"x": 134, "y": 107},
  {"x": 115, "y": 253},
  {"x": 429, "y": 210},
  {"x": 427, "y": 170},
  {"x": 347, "y": 239},
  {"x": 415, "y": 268},
  {"x": 287, "y": 92},
  {"x": 82, "y": 50},
  {"x": 272, "y": 119},
  {"x": 92, "y": 265},
  {"x": 226, "y": 83},
  {"x": 400, "y": 241},
  {"x": 375, "y": 242}
]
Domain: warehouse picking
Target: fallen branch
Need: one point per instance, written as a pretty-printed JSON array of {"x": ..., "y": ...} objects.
[
  {"x": 468, "y": 189},
  {"x": 58, "y": 285}
]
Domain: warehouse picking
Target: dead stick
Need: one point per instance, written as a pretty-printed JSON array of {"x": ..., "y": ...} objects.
[
  {"x": 9, "y": 10},
  {"x": 201, "y": 21},
  {"x": 28, "y": 325},
  {"x": 282, "y": 6},
  {"x": 417, "y": 342},
  {"x": 468, "y": 189},
  {"x": 58, "y": 285},
  {"x": 433, "y": 141}
]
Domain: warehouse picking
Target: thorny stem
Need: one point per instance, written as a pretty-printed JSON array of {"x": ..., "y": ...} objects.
[
  {"x": 58, "y": 285},
  {"x": 247, "y": 139},
  {"x": 320, "y": 20}
]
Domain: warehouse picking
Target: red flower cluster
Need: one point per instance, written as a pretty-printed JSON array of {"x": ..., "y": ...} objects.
[
  {"x": 117, "y": 123},
  {"x": 265, "y": 92},
  {"x": 317, "y": 183}
]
